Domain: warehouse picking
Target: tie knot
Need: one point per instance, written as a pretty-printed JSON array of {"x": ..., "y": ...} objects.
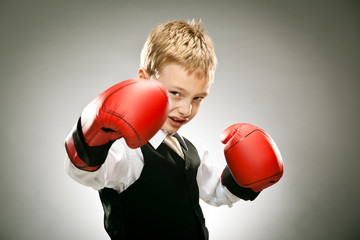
[{"x": 174, "y": 144}]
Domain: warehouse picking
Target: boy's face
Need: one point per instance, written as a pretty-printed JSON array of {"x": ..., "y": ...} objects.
[{"x": 186, "y": 91}]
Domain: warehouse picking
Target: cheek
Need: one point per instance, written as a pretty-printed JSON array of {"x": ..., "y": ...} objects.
[
  {"x": 173, "y": 104},
  {"x": 172, "y": 108},
  {"x": 195, "y": 110}
]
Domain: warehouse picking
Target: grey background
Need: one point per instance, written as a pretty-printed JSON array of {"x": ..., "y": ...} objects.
[{"x": 290, "y": 67}]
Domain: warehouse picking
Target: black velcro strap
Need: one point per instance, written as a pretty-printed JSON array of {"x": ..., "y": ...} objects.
[
  {"x": 92, "y": 156},
  {"x": 229, "y": 182}
]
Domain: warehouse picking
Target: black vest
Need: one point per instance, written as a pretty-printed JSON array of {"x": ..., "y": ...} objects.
[{"x": 162, "y": 204}]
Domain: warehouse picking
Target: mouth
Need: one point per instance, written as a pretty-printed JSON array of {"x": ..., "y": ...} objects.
[{"x": 177, "y": 121}]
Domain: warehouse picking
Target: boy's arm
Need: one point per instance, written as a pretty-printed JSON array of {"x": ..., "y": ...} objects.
[
  {"x": 134, "y": 110},
  {"x": 121, "y": 168},
  {"x": 212, "y": 191}
]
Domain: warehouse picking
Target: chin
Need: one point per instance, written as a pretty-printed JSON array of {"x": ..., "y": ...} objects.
[{"x": 169, "y": 129}]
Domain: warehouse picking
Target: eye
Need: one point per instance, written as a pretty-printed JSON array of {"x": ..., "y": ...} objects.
[
  {"x": 174, "y": 93},
  {"x": 199, "y": 99}
]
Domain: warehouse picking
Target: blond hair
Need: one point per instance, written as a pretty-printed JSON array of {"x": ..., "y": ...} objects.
[{"x": 179, "y": 42}]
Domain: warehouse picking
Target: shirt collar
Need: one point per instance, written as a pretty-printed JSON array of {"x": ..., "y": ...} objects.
[{"x": 159, "y": 137}]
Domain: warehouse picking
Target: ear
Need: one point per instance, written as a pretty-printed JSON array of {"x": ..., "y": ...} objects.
[{"x": 142, "y": 73}]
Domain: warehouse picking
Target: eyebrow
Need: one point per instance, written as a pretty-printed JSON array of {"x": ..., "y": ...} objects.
[{"x": 183, "y": 90}]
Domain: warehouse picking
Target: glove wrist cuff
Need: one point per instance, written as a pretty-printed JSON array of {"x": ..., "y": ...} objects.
[
  {"x": 90, "y": 158},
  {"x": 229, "y": 182}
]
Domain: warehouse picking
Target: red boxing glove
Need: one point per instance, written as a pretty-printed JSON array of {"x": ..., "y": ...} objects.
[
  {"x": 252, "y": 156},
  {"x": 134, "y": 109}
]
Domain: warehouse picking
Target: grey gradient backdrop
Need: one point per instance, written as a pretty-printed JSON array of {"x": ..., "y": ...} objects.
[{"x": 290, "y": 67}]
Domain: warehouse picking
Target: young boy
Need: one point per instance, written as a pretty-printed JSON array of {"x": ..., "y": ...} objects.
[{"x": 126, "y": 144}]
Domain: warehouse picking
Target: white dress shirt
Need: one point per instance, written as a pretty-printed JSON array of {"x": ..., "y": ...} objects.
[{"x": 123, "y": 167}]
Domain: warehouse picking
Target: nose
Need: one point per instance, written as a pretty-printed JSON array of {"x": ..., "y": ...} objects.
[{"x": 185, "y": 109}]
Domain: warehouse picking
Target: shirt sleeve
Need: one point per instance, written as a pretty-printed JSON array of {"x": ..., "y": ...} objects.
[
  {"x": 212, "y": 191},
  {"x": 122, "y": 167}
]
